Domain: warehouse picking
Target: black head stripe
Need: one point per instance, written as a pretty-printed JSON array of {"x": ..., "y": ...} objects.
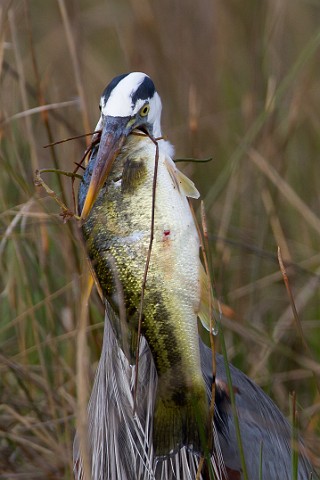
[
  {"x": 145, "y": 90},
  {"x": 107, "y": 91}
]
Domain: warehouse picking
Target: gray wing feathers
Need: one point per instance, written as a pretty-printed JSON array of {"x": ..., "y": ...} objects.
[{"x": 262, "y": 425}]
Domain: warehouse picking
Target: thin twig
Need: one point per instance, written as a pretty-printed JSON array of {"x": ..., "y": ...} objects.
[
  {"x": 71, "y": 138},
  {"x": 60, "y": 172},
  {"x": 141, "y": 133},
  {"x": 193, "y": 160},
  {"x": 154, "y": 186},
  {"x": 66, "y": 212}
]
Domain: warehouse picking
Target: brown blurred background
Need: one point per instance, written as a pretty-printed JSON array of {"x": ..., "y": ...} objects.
[{"x": 239, "y": 82}]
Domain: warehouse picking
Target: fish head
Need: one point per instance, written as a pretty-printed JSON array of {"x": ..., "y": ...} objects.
[{"x": 128, "y": 103}]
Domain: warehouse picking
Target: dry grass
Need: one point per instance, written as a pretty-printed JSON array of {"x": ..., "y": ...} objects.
[{"x": 239, "y": 83}]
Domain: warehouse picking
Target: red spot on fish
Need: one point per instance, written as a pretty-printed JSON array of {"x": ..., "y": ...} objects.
[{"x": 166, "y": 237}]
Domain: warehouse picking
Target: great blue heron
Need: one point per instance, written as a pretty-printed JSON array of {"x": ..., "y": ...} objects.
[{"x": 129, "y": 184}]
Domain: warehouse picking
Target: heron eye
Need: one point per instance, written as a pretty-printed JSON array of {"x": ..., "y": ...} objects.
[{"x": 144, "y": 110}]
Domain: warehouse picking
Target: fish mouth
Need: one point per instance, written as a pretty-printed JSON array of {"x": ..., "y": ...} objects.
[{"x": 113, "y": 136}]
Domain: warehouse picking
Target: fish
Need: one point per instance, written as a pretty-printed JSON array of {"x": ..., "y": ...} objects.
[{"x": 116, "y": 227}]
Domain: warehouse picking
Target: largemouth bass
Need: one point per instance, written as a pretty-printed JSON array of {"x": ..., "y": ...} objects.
[{"x": 116, "y": 228}]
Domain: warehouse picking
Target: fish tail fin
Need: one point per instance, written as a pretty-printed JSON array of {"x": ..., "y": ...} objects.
[{"x": 181, "y": 423}]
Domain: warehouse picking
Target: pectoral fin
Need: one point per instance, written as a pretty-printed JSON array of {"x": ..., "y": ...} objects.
[
  {"x": 207, "y": 302},
  {"x": 218, "y": 308},
  {"x": 181, "y": 181}
]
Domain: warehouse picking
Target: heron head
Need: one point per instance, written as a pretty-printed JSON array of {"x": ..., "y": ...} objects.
[{"x": 129, "y": 102}]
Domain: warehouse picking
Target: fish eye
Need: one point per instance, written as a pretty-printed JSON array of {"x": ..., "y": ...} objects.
[{"x": 144, "y": 110}]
